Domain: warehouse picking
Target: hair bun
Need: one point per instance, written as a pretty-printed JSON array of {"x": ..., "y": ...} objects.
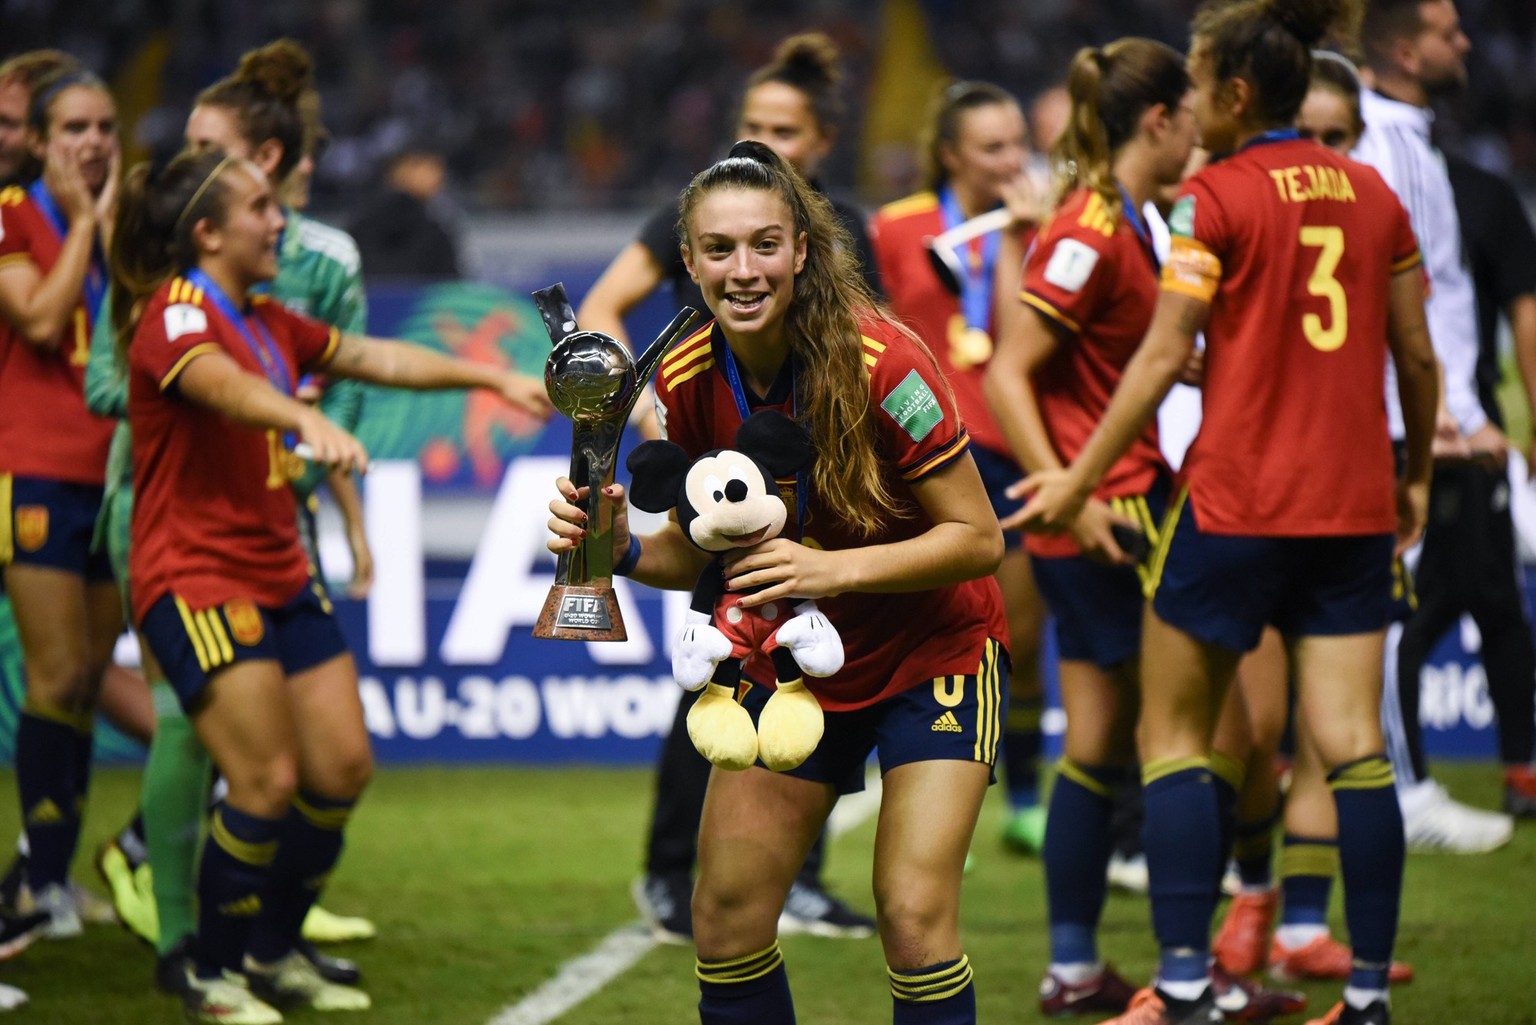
[
  {"x": 282, "y": 68},
  {"x": 751, "y": 149}
]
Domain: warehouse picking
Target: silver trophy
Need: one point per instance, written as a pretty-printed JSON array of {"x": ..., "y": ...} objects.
[{"x": 592, "y": 379}]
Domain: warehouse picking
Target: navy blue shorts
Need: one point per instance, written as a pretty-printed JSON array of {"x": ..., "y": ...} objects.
[
  {"x": 193, "y": 645},
  {"x": 50, "y": 523},
  {"x": 1223, "y": 590},
  {"x": 949, "y": 718},
  {"x": 1098, "y": 607},
  {"x": 998, "y": 473}
]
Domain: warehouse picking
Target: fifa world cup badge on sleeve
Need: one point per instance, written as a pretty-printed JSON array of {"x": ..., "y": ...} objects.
[{"x": 594, "y": 381}]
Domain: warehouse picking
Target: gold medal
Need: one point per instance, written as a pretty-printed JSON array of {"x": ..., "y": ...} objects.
[
  {"x": 293, "y": 466},
  {"x": 968, "y": 346}
]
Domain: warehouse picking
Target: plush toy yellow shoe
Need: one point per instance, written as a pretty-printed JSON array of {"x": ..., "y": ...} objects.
[
  {"x": 722, "y": 730},
  {"x": 789, "y": 727}
]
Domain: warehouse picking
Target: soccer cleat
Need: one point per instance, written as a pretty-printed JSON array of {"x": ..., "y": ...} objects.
[
  {"x": 1342, "y": 1014},
  {"x": 293, "y": 981},
  {"x": 173, "y": 968},
  {"x": 813, "y": 911},
  {"x": 666, "y": 903},
  {"x": 13, "y": 883},
  {"x": 1128, "y": 872},
  {"x": 131, "y": 890},
  {"x": 18, "y": 931},
  {"x": 1520, "y": 791},
  {"x": 1239, "y": 945},
  {"x": 1242, "y": 999},
  {"x": 1024, "y": 832},
  {"x": 1107, "y": 992},
  {"x": 340, "y": 970},
  {"x": 226, "y": 1000},
  {"x": 1323, "y": 958},
  {"x": 322, "y": 926},
  {"x": 58, "y": 903},
  {"x": 1434, "y": 822},
  {"x": 1149, "y": 1007}
]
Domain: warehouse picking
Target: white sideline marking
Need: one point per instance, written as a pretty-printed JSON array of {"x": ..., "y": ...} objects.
[{"x": 583, "y": 976}]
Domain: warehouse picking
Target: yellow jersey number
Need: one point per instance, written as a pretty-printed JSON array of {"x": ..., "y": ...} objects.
[{"x": 1330, "y": 243}]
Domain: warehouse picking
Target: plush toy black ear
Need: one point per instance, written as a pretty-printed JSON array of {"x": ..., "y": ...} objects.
[
  {"x": 776, "y": 441},
  {"x": 656, "y": 471}
]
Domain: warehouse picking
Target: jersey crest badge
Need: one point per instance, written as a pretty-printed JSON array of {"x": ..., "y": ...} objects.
[
  {"x": 914, "y": 407},
  {"x": 1071, "y": 264},
  {"x": 31, "y": 527},
  {"x": 244, "y": 621},
  {"x": 1181, "y": 221},
  {"x": 184, "y": 319}
]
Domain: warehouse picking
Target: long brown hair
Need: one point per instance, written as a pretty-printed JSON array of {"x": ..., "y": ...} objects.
[
  {"x": 264, "y": 94},
  {"x": 822, "y": 325},
  {"x": 1111, "y": 87},
  {"x": 152, "y": 238}
]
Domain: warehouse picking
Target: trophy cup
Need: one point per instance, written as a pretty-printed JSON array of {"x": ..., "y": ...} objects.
[{"x": 592, "y": 379}]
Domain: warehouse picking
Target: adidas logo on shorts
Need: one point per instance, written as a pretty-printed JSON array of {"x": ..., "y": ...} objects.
[{"x": 947, "y": 723}]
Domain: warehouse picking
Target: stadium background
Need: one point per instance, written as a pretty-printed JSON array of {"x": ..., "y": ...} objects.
[{"x": 561, "y": 132}]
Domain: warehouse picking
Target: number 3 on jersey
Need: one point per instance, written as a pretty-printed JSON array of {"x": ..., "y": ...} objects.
[{"x": 1330, "y": 243}]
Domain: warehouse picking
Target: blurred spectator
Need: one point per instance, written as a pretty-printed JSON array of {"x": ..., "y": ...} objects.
[{"x": 399, "y": 230}]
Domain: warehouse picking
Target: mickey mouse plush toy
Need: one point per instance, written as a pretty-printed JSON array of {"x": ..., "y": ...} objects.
[{"x": 729, "y": 499}]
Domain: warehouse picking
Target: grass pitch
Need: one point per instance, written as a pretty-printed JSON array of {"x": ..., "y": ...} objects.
[{"x": 485, "y": 881}]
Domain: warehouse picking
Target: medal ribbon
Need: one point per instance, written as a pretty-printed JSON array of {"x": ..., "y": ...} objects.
[
  {"x": 1138, "y": 225},
  {"x": 739, "y": 393},
  {"x": 96, "y": 273},
  {"x": 977, "y": 273}
]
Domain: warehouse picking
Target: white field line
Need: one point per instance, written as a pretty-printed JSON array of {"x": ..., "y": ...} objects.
[{"x": 583, "y": 976}]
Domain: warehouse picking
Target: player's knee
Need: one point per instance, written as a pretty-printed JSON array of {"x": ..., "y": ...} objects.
[
  {"x": 265, "y": 786},
  {"x": 910, "y": 915}
]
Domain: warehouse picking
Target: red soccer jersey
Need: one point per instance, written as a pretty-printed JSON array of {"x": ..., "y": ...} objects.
[
  {"x": 899, "y": 234},
  {"x": 45, "y": 429},
  {"x": 892, "y": 641},
  {"x": 213, "y": 514},
  {"x": 1096, "y": 278},
  {"x": 1294, "y": 247}
]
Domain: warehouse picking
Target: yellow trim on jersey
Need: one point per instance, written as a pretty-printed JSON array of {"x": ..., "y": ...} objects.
[
  {"x": 12, "y": 195},
  {"x": 7, "y": 540},
  {"x": 186, "y": 357},
  {"x": 10, "y": 258},
  {"x": 1160, "y": 553},
  {"x": 193, "y": 635},
  {"x": 917, "y": 203},
  {"x": 1153, "y": 771},
  {"x": 1097, "y": 215},
  {"x": 1408, "y": 262},
  {"x": 1030, "y": 299},
  {"x": 332, "y": 343},
  {"x": 947, "y": 452},
  {"x": 696, "y": 350},
  {"x": 691, "y": 374},
  {"x": 686, "y": 349}
]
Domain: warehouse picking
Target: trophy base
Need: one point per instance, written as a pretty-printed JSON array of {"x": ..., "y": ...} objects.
[{"x": 581, "y": 612}]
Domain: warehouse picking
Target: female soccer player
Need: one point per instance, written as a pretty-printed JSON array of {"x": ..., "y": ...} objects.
[
  {"x": 52, "y": 461},
  {"x": 892, "y": 530},
  {"x": 221, "y": 585},
  {"x": 793, "y": 105},
  {"x": 975, "y": 152},
  {"x": 1091, "y": 284},
  {"x": 1288, "y": 511}
]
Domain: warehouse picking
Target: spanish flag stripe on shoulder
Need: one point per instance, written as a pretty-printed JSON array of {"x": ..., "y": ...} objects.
[
  {"x": 917, "y": 203},
  {"x": 688, "y": 375},
  {"x": 1030, "y": 299},
  {"x": 687, "y": 347}
]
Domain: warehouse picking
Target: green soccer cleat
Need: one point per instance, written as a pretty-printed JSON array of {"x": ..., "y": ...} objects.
[
  {"x": 294, "y": 981},
  {"x": 1024, "y": 831},
  {"x": 322, "y": 926},
  {"x": 227, "y": 1000},
  {"x": 132, "y": 891}
]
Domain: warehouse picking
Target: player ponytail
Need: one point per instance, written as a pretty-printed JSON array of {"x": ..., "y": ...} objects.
[
  {"x": 264, "y": 96},
  {"x": 941, "y": 128},
  {"x": 1110, "y": 89},
  {"x": 1268, "y": 44},
  {"x": 809, "y": 63},
  {"x": 153, "y": 235},
  {"x": 822, "y": 325}
]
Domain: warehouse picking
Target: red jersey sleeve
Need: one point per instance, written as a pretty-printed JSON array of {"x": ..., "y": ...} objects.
[
  {"x": 15, "y": 227},
  {"x": 1064, "y": 274},
  {"x": 171, "y": 335},
  {"x": 915, "y": 415},
  {"x": 311, "y": 342},
  {"x": 1198, "y": 235}
]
